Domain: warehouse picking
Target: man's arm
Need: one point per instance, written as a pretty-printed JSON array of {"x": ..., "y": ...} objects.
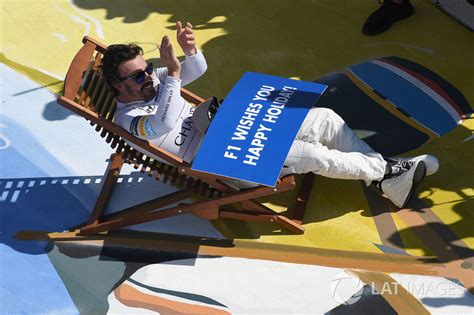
[
  {"x": 169, "y": 110},
  {"x": 194, "y": 64},
  {"x": 172, "y": 77}
]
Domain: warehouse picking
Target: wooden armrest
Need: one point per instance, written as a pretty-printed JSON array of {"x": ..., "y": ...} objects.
[{"x": 191, "y": 97}]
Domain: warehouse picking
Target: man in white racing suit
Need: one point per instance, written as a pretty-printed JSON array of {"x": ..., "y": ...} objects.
[{"x": 149, "y": 105}]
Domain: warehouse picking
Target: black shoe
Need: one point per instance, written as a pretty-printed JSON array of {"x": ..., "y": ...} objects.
[
  {"x": 398, "y": 167},
  {"x": 400, "y": 188},
  {"x": 390, "y": 12}
]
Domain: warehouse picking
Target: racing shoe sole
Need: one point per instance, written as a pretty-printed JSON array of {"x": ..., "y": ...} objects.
[{"x": 420, "y": 173}]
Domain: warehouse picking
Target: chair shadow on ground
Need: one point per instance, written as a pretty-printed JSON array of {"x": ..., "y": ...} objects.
[{"x": 58, "y": 203}]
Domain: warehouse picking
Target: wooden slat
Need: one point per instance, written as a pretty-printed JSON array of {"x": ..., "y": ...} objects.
[
  {"x": 97, "y": 61},
  {"x": 111, "y": 111},
  {"x": 174, "y": 176},
  {"x": 89, "y": 90},
  {"x": 153, "y": 167},
  {"x": 121, "y": 145},
  {"x": 167, "y": 173},
  {"x": 109, "y": 138},
  {"x": 138, "y": 160},
  {"x": 106, "y": 107},
  {"x": 197, "y": 186},
  {"x": 126, "y": 150},
  {"x": 96, "y": 91},
  {"x": 159, "y": 171},
  {"x": 100, "y": 106},
  {"x": 78, "y": 65},
  {"x": 181, "y": 180},
  {"x": 146, "y": 164},
  {"x": 101, "y": 98},
  {"x": 104, "y": 133},
  {"x": 115, "y": 142},
  {"x": 88, "y": 75}
]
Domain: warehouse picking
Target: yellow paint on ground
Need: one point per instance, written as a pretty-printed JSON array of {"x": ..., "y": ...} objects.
[
  {"x": 449, "y": 192},
  {"x": 48, "y": 33},
  {"x": 47, "y": 81},
  {"x": 338, "y": 217},
  {"x": 337, "y": 221},
  {"x": 412, "y": 244}
]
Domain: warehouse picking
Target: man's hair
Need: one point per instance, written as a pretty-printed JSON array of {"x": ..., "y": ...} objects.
[{"x": 113, "y": 57}]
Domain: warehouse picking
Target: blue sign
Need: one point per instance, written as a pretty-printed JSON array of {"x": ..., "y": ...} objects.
[{"x": 252, "y": 132}]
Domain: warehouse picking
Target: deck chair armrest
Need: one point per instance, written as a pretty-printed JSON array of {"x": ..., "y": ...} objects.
[
  {"x": 116, "y": 129},
  {"x": 191, "y": 97}
]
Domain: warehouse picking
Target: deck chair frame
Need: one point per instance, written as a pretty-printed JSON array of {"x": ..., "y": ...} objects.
[{"x": 87, "y": 94}]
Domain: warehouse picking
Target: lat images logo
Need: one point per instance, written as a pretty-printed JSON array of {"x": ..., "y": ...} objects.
[{"x": 346, "y": 289}]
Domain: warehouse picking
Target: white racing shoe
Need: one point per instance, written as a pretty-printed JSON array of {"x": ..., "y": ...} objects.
[
  {"x": 431, "y": 162},
  {"x": 400, "y": 187}
]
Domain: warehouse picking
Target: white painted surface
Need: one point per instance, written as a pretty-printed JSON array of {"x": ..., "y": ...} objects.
[
  {"x": 244, "y": 286},
  {"x": 438, "y": 295}
]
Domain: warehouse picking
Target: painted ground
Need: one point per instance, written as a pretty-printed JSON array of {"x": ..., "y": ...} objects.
[{"x": 359, "y": 254}]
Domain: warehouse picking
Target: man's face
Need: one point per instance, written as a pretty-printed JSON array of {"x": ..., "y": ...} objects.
[{"x": 129, "y": 89}]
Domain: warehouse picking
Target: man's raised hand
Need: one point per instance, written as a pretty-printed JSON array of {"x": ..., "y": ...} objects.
[
  {"x": 186, "y": 39},
  {"x": 168, "y": 58}
]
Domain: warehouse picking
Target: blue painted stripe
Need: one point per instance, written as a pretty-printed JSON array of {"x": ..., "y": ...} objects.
[{"x": 406, "y": 96}]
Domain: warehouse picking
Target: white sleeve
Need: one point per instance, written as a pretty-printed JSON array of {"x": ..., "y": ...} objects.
[
  {"x": 191, "y": 68},
  {"x": 169, "y": 104}
]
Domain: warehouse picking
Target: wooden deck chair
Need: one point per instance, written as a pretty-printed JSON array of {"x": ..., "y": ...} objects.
[{"x": 87, "y": 94}]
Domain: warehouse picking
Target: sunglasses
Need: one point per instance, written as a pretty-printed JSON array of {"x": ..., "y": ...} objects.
[{"x": 139, "y": 77}]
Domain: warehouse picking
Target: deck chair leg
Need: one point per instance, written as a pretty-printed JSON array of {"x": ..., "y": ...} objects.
[
  {"x": 125, "y": 215},
  {"x": 258, "y": 217},
  {"x": 298, "y": 209},
  {"x": 110, "y": 179},
  {"x": 201, "y": 208},
  {"x": 151, "y": 205}
]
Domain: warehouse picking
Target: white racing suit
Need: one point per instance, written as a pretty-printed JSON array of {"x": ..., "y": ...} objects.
[{"x": 324, "y": 145}]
